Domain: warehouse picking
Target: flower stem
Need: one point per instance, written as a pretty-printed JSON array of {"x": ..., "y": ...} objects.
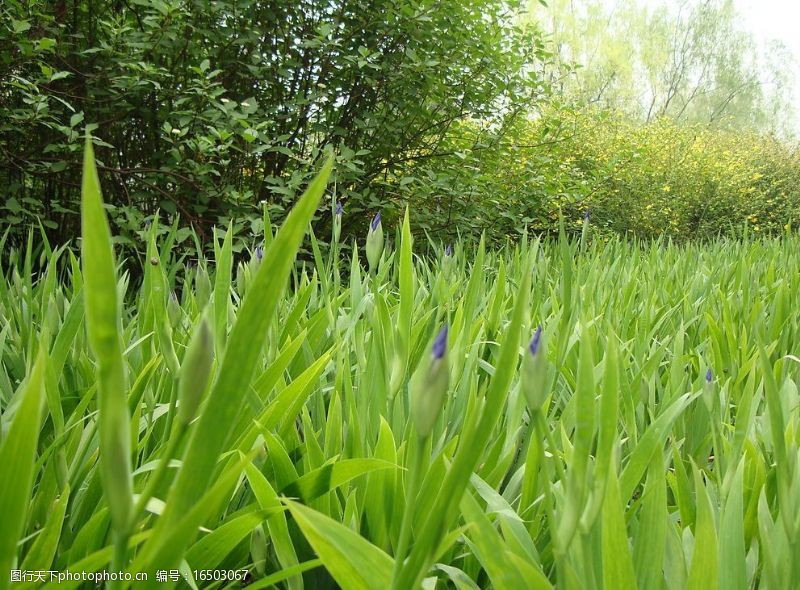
[{"x": 416, "y": 449}]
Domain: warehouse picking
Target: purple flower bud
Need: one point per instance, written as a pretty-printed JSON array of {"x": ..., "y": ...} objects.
[
  {"x": 429, "y": 387},
  {"x": 440, "y": 344},
  {"x": 448, "y": 250},
  {"x": 587, "y": 214},
  {"x": 259, "y": 253},
  {"x": 709, "y": 376},
  {"x": 537, "y": 336},
  {"x": 376, "y": 221},
  {"x": 339, "y": 208}
]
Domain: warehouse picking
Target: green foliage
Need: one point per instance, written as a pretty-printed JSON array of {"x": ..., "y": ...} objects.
[
  {"x": 692, "y": 61},
  {"x": 662, "y": 178},
  {"x": 217, "y": 110},
  {"x": 102, "y": 326},
  {"x": 18, "y": 454},
  {"x": 685, "y": 181},
  {"x": 305, "y": 468},
  {"x": 212, "y": 113}
]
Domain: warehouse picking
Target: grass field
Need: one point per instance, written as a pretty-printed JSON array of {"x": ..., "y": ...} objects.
[{"x": 325, "y": 424}]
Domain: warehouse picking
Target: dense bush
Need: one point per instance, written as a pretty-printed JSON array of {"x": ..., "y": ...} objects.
[
  {"x": 685, "y": 181},
  {"x": 213, "y": 111},
  {"x": 208, "y": 108}
]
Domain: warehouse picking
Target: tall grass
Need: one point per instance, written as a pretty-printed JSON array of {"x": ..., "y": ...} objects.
[{"x": 303, "y": 421}]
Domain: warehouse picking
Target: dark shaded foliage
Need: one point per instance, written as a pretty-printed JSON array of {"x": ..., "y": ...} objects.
[{"x": 210, "y": 109}]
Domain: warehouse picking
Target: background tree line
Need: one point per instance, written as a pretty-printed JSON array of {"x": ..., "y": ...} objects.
[
  {"x": 483, "y": 115},
  {"x": 208, "y": 109},
  {"x": 689, "y": 60}
]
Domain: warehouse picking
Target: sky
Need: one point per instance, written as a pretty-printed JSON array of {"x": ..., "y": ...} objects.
[
  {"x": 778, "y": 19},
  {"x": 775, "y": 19}
]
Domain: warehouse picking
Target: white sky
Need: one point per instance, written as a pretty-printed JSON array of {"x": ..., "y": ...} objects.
[{"x": 775, "y": 19}]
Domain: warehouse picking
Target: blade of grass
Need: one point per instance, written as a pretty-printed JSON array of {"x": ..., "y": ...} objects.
[
  {"x": 243, "y": 350},
  {"x": 102, "y": 324},
  {"x": 17, "y": 461},
  {"x": 353, "y": 562}
]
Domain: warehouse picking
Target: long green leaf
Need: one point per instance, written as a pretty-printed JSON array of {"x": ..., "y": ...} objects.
[
  {"x": 102, "y": 324},
  {"x": 353, "y": 562},
  {"x": 618, "y": 569},
  {"x": 236, "y": 371},
  {"x": 17, "y": 461},
  {"x": 704, "y": 572}
]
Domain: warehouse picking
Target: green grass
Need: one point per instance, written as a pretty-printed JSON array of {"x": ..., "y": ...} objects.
[{"x": 290, "y": 418}]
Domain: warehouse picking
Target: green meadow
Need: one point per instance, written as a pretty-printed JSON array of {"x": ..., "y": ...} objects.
[
  {"x": 566, "y": 412},
  {"x": 399, "y": 295}
]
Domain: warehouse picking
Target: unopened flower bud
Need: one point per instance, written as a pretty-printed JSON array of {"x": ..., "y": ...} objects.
[
  {"x": 337, "y": 220},
  {"x": 429, "y": 386},
  {"x": 708, "y": 390},
  {"x": 195, "y": 371},
  {"x": 375, "y": 242},
  {"x": 534, "y": 372},
  {"x": 447, "y": 264},
  {"x": 202, "y": 285}
]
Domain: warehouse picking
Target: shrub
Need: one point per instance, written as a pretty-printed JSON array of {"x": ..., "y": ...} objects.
[
  {"x": 207, "y": 109},
  {"x": 682, "y": 181}
]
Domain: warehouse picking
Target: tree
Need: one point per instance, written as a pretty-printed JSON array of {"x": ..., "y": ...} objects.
[
  {"x": 687, "y": 60},
  {"x": 208, "y": 108}
]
